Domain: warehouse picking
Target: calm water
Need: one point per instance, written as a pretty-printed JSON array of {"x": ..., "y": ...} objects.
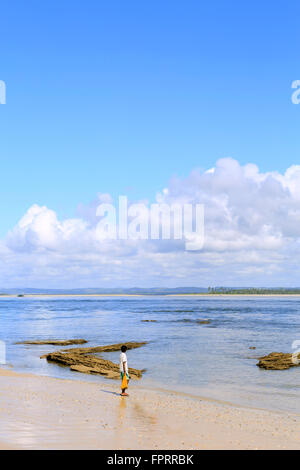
[{"x": 211, "y": 360}]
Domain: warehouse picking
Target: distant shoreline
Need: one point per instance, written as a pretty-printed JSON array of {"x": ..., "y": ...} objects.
[{"x": 5, "y": 296}]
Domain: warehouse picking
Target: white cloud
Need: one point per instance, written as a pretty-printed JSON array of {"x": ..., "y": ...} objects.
[{"x": 252, "y": 235}]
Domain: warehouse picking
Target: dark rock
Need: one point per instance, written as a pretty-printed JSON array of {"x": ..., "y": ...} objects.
[
  {"x": 55, "y": 342},
  {"x": 199, "y": 321},
  {"x": 277, "y": 361}
]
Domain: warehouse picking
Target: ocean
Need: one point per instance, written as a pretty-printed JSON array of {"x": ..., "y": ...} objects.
[{"x": 211, "y": 360}]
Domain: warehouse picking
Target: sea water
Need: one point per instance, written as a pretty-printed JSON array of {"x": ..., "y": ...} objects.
[{"x": 208, "y": 360}]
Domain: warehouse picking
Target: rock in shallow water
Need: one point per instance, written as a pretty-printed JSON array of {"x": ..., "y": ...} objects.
[
  {"x": 82, "y": 360},
  {"x": 277, "y": 361},
  {"x": 55, "y": 342}
]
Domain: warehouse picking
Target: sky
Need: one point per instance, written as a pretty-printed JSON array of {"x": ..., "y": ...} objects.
[{"x": 113, "y": 98}]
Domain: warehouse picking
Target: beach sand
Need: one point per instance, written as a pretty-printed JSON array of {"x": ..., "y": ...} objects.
[{"x": 47, "y": 413}]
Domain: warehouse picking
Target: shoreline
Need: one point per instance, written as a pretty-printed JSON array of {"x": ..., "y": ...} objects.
[
  {"x": 6, "y": 296},
  {"x": 137, "y": 384},
  {"x": 39, "y": 412}
]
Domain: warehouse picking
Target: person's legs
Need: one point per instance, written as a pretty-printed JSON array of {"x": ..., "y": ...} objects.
[{"x": 123, "y": 394}]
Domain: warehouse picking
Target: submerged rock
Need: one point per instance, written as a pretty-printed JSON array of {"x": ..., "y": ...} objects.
[
  {"x": 82, "y": 360},
  {"x": 277, "y": 361},
  {"x": 199, "y": 321},
  {"x": 107, "y": 348},
  {"x": 55, "y": 342}
]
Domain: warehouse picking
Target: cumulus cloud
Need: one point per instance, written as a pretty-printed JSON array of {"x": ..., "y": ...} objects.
[{"x": 252, "y": 234}]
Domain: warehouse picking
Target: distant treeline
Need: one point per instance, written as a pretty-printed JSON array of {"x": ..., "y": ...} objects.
[{"x": 253, "y": 291}]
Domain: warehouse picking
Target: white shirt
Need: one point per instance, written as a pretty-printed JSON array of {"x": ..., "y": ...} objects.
[{"x": 123, "y": 358}]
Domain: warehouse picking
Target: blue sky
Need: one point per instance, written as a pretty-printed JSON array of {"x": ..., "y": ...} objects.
[{"x": 117, "y": 97}]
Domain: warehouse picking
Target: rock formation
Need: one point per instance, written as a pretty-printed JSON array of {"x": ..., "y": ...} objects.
[
  {"x": 55, "y": 342},
  {"x": 277, "y": 361},
  {"x": 83, "y": 360}
]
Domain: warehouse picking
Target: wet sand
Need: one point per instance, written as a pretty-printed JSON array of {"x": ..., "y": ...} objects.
[{"x": 46, "y": 413}]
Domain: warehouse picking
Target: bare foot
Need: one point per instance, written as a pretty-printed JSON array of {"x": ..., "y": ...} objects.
[{"x": 124, "y": 394}]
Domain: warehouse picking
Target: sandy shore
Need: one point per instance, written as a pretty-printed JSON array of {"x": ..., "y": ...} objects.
[{"x": 46, "y": 413}]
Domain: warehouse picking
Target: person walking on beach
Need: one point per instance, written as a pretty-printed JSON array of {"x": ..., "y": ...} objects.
[{"x": 124, "y": 370}]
